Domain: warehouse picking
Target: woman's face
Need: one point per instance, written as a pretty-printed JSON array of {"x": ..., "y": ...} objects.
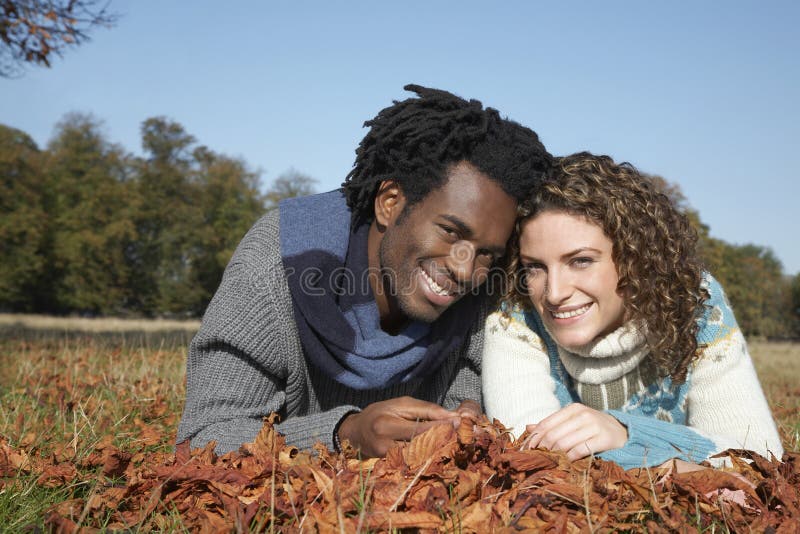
[{"x": 571, "y": 277}]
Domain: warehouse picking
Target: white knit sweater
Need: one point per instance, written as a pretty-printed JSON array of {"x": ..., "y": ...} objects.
[{"x": 723, "y": 399}]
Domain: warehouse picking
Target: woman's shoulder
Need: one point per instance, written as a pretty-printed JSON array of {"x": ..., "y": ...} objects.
[
  {"x": 720, "y": 340},
  {"x": 513, "y": 321},
  {"x": 717, "y": 320}
]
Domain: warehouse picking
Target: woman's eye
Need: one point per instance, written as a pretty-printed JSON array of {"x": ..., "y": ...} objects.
[
  {"x": 488, "y": 255},
  {"x": 532, "y": 268},
  {"x": 582, "y": 262}
]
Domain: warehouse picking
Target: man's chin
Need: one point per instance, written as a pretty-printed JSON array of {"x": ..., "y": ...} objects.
[{"x": 424, "y": 313}]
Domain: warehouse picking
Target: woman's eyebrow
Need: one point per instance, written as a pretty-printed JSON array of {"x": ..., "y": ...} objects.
[
  {"x": 578, "y": 250},
  {"x": 581, "y": 250}
]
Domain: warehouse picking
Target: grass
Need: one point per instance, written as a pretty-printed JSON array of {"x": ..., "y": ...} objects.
[
  {"x": 778, "y": 368},
  {"x": 62, "y": 398},
  {"x": 66, "y": 391}
]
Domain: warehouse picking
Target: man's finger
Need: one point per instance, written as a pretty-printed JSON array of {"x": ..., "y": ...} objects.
[
  {"x": 398, "y": 429},
  {"x": 469, "y": 407},
  {"x": 415, "y": 409}
]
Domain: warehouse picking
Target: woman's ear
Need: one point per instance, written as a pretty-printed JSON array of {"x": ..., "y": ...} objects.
[{"x": 389, "y": 203}]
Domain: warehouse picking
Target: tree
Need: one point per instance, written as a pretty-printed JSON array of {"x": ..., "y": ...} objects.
[
  {"x": 289, "y": 184},
  {"x": 166, "y": 220},
  {"x": 794, "y": 284},
  {"x": 230, "y": 202},
  {"x": 92, "y": 222},
  {"x": 32, "y": 31},
  {"x": 23, "y": 221},
  {"x": 194, "y": 207}
]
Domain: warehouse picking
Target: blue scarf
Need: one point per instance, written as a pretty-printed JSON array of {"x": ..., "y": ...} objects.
[{"x": 337, "y": 318}]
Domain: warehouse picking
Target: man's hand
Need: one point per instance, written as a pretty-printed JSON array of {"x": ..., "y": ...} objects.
[
  {"x": 578, "y": 431},
  {"x": 381, "y": 424}
]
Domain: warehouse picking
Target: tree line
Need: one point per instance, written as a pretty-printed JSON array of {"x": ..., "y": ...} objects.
[{"x": 87, "y": 228}]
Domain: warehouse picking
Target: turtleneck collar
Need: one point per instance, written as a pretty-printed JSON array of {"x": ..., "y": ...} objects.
[{"x": 607, "y": 358}]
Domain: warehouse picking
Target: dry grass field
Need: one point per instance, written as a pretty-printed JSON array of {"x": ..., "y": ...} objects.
[
  {"x": 778, "y": 367},
  {"x": 79, "y": 398}
]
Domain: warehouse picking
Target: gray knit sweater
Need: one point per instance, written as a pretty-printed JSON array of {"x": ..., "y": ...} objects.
[{"x": 247, "y": 361}]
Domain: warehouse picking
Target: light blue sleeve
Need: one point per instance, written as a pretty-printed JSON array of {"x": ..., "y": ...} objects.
[{"x": 652, "y": 442}]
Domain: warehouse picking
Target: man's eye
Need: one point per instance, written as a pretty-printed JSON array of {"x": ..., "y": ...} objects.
[{"x": 450, "y": 232}]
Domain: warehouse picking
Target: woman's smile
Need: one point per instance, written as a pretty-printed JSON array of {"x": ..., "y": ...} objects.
[{"x": 568, "y": 314}]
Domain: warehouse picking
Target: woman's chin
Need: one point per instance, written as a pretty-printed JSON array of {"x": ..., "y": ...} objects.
[{"x": 574, "y": 342}]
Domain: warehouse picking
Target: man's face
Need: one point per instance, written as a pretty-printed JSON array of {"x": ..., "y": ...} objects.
[{"x": 443, "y": 246}]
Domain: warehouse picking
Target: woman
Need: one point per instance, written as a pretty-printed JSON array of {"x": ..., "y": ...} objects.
[{"x": 612, "y": 340}]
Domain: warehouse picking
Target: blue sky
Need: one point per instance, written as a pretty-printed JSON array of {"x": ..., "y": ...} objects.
[{"x": 705, "y": 94}]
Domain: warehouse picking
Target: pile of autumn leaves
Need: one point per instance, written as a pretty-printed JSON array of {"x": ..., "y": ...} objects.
[{"x": 470, "y": 479}]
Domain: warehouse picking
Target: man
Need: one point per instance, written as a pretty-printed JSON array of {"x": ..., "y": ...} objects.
[{"x": 357, "y": 314}]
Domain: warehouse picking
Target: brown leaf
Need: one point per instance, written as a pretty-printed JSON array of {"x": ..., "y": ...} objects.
[
  {"x": 115, "y": 462},
  {"x": 57, "y": 475},
  {"x": 13, "y": 461},
  {"x": 394, "y": 520},
  {"x": 436, "y": 442},
  {"x": 470, "y": 480},
  {"x": 528, "y": 460},
  {"x": 59, "y": 524},
  {"x": 710, "y": 480}
]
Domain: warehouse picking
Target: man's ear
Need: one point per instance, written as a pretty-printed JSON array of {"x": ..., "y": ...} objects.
[{"x": 389, "y": 202}]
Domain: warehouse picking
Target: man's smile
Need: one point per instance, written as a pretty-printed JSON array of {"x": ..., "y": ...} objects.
[{"x": 438, "y": 293}]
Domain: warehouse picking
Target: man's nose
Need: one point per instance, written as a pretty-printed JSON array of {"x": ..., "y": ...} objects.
[{"x": 461, "y": 262}]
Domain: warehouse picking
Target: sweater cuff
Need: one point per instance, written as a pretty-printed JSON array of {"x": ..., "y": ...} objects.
[
  {"x": 337, "y": 444},
  {"x": 652, "y": 442},
  {"x": 305, "y": 430}
]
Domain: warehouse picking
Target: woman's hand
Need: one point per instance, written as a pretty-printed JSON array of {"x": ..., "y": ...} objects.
[{"x": 579, "y": 431}]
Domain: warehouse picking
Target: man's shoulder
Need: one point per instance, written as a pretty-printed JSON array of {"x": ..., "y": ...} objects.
[{"x": 261, "y": 244}]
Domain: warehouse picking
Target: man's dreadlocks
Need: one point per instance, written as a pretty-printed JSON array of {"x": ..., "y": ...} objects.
[{"x": 414, "y": 142}]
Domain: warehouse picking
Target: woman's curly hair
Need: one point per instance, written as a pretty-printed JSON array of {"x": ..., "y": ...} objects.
[{"x": 654, "y": 250}]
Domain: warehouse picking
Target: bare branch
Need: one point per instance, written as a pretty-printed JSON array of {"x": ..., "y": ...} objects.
[{"x": 32, "y": 31}]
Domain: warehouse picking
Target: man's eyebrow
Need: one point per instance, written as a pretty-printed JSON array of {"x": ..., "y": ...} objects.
[{"x": 462, "y": 227}]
